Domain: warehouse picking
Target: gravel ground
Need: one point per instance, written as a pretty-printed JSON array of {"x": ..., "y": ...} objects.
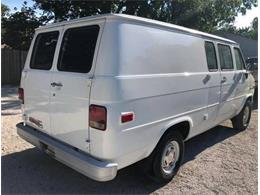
[{"x": 220, "y": 161}]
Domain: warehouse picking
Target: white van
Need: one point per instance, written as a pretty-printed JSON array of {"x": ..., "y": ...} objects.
[{"x": 101, "y": 93}]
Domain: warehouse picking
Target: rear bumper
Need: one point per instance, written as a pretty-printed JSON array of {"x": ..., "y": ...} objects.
[{"x": 81, "y": 162}]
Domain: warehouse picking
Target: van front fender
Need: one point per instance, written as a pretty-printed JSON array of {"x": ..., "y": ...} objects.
[{"x": 243, "y": 102}]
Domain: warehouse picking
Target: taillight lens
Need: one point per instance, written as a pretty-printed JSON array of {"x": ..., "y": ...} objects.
[
  {"x": 21, "y": 95},
  {"x": 98, "y": 117}
]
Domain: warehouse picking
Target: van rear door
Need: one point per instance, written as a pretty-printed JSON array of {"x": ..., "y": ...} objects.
[
  {"x": 71, "y": 83},
  {"x": 36, "y": 78}
]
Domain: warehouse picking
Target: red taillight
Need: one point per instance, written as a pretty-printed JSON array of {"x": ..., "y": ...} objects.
[
  {"x": 21, "y": 95},
  {"x": 98, "y": 117},
  {"x": 126, "y": 117}
]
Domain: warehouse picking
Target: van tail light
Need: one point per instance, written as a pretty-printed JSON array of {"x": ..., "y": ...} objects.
[
  {"x": 21, "y": 95},
  {"x": 98, "y": 117}
]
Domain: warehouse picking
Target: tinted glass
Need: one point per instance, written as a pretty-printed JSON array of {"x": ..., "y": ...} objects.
[
  {"x": 225, "y": 57},
  {"x": 43, "y": 50},
  {"x": 239, "y": 60},
  {"x": 211, "y": 56},
  {"x": 77, "y": 50}
]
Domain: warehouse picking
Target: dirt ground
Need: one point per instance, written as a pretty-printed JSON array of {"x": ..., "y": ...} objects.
[{"x": 220, "y": 161}]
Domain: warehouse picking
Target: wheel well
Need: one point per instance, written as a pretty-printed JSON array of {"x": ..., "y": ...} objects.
[
  {"x": 183, "y": 128},
  {"x": 250, "y": 99}
]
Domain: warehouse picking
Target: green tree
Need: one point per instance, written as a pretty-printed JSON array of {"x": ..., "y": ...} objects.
[
  {"x": 4, "y": 10},
  {"x": 205, "y": 15},
  {"x": 19, "y": 28},
  {"x": 254, "y": 27},
  {"x": 4, "y": 14},
  {"x": 249, "y": 32}
]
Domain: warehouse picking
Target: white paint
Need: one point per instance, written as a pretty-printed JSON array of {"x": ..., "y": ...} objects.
[{"x": 140, "y": 66}]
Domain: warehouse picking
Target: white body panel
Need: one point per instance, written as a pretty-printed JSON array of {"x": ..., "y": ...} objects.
[
  {"x": 71, "y": 101},
  {"x": 157, "y": 71},
  {"x": 37, "y": 97}
]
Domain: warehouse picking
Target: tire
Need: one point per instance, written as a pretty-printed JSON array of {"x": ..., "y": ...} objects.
[
  {"x": 239, "y": 122},
  {"x": 173, "y": 140}
]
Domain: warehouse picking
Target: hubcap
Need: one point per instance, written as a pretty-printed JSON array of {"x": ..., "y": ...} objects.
[
  {"x": 170, "y": 156},
  {"x": 245, "y": 116}
]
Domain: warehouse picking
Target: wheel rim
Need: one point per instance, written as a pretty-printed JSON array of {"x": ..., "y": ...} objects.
[
  {"x": 170, "y": 157},
  {"x": 246, "y": 115}
]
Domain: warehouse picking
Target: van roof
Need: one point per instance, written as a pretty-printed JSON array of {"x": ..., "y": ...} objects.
[{"x": 141, "y": 20}]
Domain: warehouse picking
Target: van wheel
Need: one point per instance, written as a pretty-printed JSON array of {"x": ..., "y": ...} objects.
[
  {"x": 168, "y": 156},
  {"x": 241, "y": 121}
]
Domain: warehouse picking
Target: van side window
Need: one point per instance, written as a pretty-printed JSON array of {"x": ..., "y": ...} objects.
[
  {"x": 225, "y": 57},
  {"x": 77, "y": 49},
  {"x": 211, "y": 56},
  {"x": 239, "y": 60},
  {"x": 43, "y": 50}
]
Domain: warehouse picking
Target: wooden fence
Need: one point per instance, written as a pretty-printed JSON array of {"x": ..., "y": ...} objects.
[{"x": 12, "y": 63}]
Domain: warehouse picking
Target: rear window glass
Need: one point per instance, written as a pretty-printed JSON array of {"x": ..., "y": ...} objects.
[
  {"x": 43, "y": 50},
  {"x": 211, "y": 56},
  {"x": 78, "y": 48},
  {"x": 239, "y": 60},
  {"x": 225, "y": 57}
]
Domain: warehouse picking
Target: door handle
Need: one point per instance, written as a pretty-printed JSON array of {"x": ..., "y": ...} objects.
[
  {"x": 206, "y": 79},
  {"x": 224, "y": 79},
  {"x": 56, "y": 84}
]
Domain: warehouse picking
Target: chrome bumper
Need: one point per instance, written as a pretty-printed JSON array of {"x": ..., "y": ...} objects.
[{"x": 81, "y": 162}]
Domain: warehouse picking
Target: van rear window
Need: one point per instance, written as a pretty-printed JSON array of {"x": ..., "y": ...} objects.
[
  {"x": 43, "y": 50},
  {"x": 78, "y": 48}
]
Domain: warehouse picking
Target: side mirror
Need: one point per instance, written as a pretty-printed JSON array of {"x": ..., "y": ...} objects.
[{"x": 249, "y": 67}]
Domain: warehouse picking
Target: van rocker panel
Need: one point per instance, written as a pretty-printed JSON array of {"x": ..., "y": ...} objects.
[{"x": 79, "y": 161}]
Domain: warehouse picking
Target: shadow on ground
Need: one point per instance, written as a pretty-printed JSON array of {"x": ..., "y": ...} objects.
[
  {"x": 9, "y": 91},
  {"x": 32, "y": 172},
  {"x": 10, "y": 104},
  {"x": 9, "y": 101}
]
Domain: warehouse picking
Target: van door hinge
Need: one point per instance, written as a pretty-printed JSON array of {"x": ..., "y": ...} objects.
[{"x": 88, "y": 145}]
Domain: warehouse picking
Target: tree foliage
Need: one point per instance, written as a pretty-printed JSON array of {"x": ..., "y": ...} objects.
[
  {"x": 4, "y": 14},
  {"x": 4, "y": 10},
  {"x": 204, "y": 15},
  {"x": 249, "y": 32},
  {"x": 18, "y": 28}
]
